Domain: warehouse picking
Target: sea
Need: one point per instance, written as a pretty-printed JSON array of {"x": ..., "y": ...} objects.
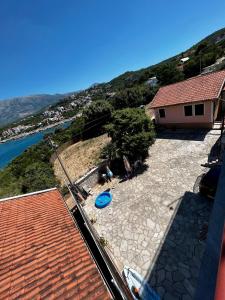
[{"x": 12, "y": 149}]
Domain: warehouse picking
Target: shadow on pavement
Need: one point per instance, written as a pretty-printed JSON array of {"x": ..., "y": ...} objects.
[
  {"x": 136, "y": 171},
  {"x": 215, "y": 151},
  {"x": 182, "y": 134},
  {"x": 175, "y": 270}
]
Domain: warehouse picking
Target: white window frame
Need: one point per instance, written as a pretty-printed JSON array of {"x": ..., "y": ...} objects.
[
  {"x": 193, "y": 110},
  {"x": 164, "y": 112}
]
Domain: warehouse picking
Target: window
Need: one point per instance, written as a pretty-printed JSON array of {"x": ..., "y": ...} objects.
[
  {"x": 188, "y": 110},
  {"x": 162, "y": 113},
  {"x": 199, "y": 109}
]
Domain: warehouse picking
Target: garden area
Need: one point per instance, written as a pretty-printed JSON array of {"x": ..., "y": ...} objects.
[{"x": 106, "y": 130}]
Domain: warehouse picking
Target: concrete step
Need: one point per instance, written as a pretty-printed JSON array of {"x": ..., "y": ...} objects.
[{"x": 217, "y": 126}]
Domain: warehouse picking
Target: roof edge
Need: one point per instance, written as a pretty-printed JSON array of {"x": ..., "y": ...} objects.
[
  {"x": 221, "y": 89},
  {"x": 193, "y": 77},
  {"x": 29, "y": 194},
  {"x": 183, "y": 103},
  {"x": 188, "y": 79}
]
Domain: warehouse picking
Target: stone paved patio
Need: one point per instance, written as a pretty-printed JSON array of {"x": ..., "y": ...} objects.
[{"x": 154, "y": 220}]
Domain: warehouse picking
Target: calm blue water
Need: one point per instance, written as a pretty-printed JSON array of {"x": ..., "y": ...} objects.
[{"x": 12, "y": 149}]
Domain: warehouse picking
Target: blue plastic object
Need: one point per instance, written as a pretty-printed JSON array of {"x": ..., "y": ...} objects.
[{"x": 103, "y": 199}]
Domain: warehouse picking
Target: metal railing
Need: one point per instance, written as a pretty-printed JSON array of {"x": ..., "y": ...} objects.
[{"x": 220, "y": 282}]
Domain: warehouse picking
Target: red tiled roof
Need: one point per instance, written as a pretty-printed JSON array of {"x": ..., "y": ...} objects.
[
  {"x": 42, "y": 253},
  {"x": 195, "y": 89}
]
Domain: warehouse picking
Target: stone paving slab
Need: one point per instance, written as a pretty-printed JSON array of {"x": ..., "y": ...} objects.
[{"x": 153, "y": 222}]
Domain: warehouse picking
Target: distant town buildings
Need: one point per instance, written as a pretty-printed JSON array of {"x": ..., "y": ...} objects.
[
  {"x": 53, "y": 114},
  {"x": 184, "y": 59},
  {"x": 15, "y": 130}
]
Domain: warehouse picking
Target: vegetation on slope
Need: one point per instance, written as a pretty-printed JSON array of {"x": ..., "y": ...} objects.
[
  {"x": 80, "y": 157},
  {"x": 29, "y": 172},
  {"x": 33, "y": 171},
  {"x": 130, "y": 130},
  {"x": 209, "y": 49}
]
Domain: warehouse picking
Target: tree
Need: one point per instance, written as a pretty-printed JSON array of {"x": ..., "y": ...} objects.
[
  {"x": 120, "y": 100},
  {"x": 168, "y": 73},
  {"x": 208, "y": 59},
  {"x": 192, "y": 67},
  {"x": 132, "y": 133},
  {"x": 130, "y": 97},
  {"x": 77, "y": 128},
  {"x": 38, "y": 176},
  {"x": 149, "y": 93},
  {"x": 95, "y": 117},
  {"x": 201, "y": 48}
]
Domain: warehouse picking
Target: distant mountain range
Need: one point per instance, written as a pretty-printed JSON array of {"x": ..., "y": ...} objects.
[{"x": 19, "y": 107}]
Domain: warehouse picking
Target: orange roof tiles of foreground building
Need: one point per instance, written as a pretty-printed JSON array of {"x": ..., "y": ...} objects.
[
  {"x": 42, "y": 253},
  {"x": 199, "y": 88}
]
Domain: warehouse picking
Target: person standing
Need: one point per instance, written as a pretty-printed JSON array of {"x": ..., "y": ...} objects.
[{"x": 127, "y": 167}]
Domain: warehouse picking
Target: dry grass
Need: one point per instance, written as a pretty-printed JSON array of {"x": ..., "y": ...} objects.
[{"x": 79, "y": 158}]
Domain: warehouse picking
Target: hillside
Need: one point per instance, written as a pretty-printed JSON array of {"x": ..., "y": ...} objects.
[
  {"x": 32, "y": 170},
  {"x": 80, "y": 157},
  {"x": 210, "y": 48},
  {"x": 19, "y": 107},
  {"x": 204, "y": 53}
]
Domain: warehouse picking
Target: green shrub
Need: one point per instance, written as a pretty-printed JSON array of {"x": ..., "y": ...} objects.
[{"x": 132, "y": 133}]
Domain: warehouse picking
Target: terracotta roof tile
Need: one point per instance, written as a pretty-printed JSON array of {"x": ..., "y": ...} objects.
[
  {"x": 195, "y": 89},
  {"x": 42, "y": 254}
]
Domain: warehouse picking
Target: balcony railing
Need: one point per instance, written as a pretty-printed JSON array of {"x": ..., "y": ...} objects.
[
  {"x": 220, "y": 283},
  {"x": 211, "y": 284}
]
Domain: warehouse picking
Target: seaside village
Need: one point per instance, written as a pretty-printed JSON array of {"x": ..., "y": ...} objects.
[
  {"x": 154, "y": 232},
  {"x": 50, "y": 117}
]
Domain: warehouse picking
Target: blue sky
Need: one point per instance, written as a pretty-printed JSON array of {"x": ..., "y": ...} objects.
[{"x": 55, "y": 46}]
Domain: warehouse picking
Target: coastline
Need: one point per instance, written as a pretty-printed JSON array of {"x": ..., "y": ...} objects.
[{"x": 22, "y": 135}]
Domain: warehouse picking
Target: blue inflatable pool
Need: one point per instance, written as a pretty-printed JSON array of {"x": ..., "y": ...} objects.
[{"x": 103, "y": 199}]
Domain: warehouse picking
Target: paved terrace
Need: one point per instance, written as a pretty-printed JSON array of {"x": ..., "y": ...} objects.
[{"x": 154, "y": 221}]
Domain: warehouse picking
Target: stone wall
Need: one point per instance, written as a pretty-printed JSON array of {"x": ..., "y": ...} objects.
[{"x": 91, "y": 178}]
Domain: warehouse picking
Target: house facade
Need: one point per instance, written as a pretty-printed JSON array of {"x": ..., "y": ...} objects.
[{"x": 192, "y": 103}]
